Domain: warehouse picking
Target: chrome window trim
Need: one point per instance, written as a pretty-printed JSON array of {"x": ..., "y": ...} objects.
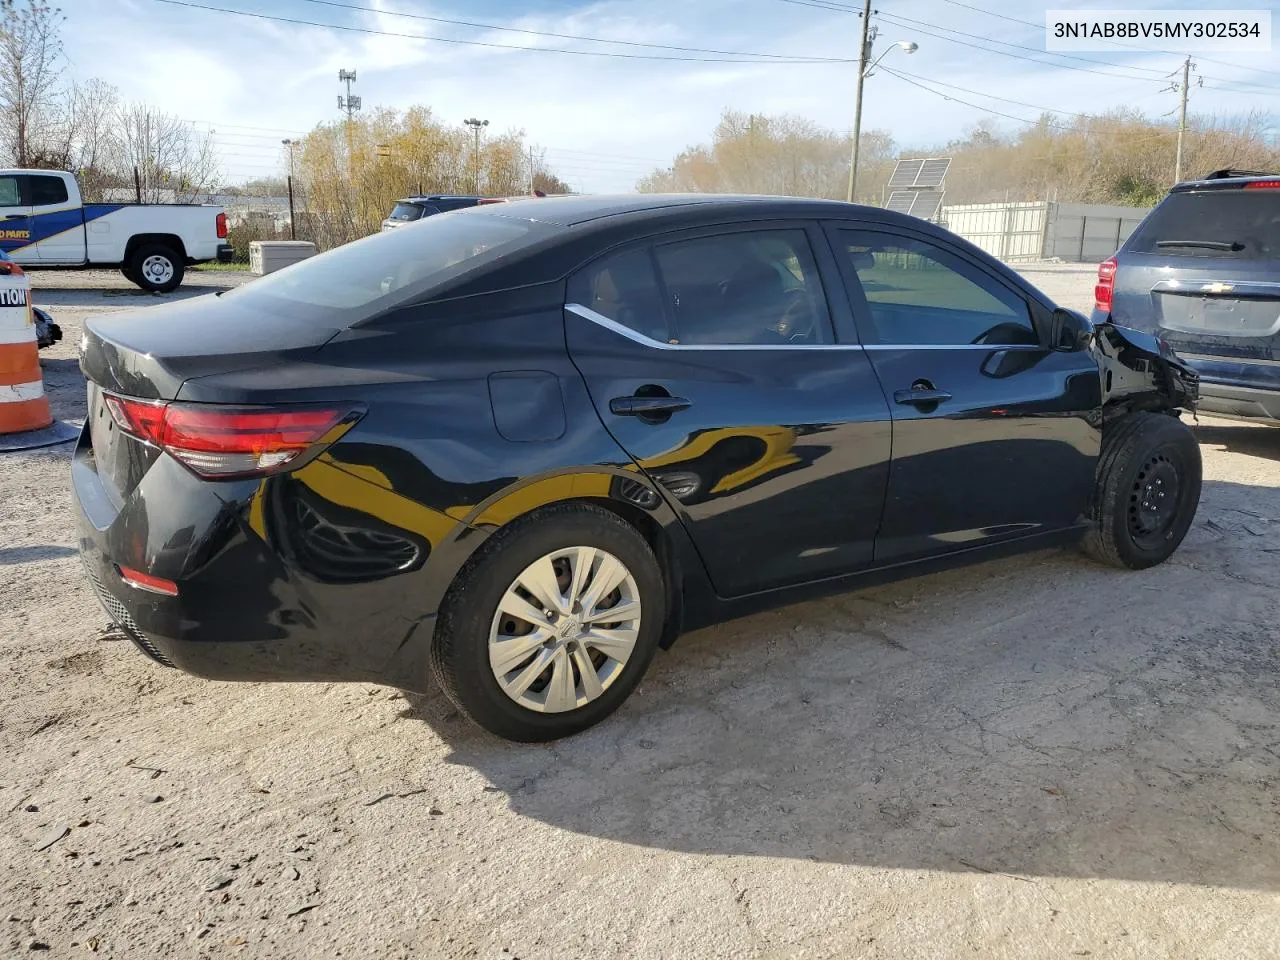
[
  {"x": 989, "y": 347},
  {"x": 586, "y": 313}
]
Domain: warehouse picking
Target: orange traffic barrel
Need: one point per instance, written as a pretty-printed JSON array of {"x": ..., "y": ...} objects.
[{"x": 23, "y": 405}]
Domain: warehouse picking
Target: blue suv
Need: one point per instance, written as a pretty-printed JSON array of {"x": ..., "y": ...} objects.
[{"x": 1202, "y": 272}]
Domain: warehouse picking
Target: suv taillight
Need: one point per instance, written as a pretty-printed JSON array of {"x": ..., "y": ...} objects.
[
  {"x": 1106, "y": 285},
  {"x": 221, "y": 221},
  {"x": 221, "y": 442}
]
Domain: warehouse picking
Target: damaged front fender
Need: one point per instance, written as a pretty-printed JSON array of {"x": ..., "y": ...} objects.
[{"x": 1141, "y": 372}]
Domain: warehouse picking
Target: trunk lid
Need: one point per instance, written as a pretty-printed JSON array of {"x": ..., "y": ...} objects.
[{"x": 150, "y": 354}]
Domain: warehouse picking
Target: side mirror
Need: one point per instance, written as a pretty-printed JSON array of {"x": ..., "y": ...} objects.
[
  {"x": 1069, "y": 331},
  {"x": 863, "y": 259}
]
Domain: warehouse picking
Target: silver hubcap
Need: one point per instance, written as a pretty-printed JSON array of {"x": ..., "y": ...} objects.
[
  {"x": 565, "y": 629},
  {"x": 157, "y": 269}
]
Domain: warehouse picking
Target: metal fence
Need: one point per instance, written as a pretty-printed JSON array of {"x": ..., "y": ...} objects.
[{"x": 1044, "y": 230}]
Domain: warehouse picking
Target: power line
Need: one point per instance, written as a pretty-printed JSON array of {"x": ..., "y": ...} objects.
[
  {"x": 1009, "y": 116},
  {"x": 991, "y": 96},
  {"x": 1018, "y": 56},
  {"x": 821, "y": 5},
  {"x": 546, "y": 33},
  {"x": 1022, "y": 46},
  {"x": 497, "y": 46}
]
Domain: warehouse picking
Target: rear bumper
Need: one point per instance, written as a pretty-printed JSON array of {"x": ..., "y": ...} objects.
[
  {"x": 1235, "y": 388},
  {"x": 242, "y": 612},
  {"x": 1249, "y": 403},
  {"x": 226, "y": 253}
]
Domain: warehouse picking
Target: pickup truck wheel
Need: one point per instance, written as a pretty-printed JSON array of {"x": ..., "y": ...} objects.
[
  {"x": 155, "y": 268},
  {"x": 1146, "y": 493}
]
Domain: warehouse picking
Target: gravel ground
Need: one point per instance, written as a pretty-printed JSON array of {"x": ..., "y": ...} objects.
[{"x": 1036, "y": 757}]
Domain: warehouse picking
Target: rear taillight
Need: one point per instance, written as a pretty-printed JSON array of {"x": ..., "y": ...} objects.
[
  {"x": 222, "y": 442},
  {"x": 221, "y": 221},
  {"x": 1263, "y": 185},
  {"x": 1106, "y": 285}
]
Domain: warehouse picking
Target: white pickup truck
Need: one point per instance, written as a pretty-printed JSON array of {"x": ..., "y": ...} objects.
[{"x": 43, "y": 223}]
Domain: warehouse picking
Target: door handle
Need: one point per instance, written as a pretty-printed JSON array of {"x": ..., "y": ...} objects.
[
  {"x": 922, "y": 392},
  {"x": 647, "y": 406},
  {"x": 14, "y": 216}
]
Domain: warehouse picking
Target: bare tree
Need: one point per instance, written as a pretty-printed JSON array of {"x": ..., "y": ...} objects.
[
  {"x": 30, "y": 71},
  {"x": 92, "y": 138},
  {"x": 168, "y": 160}
]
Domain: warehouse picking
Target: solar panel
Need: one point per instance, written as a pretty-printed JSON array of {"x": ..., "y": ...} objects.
[
  {"x": 918, "y": 174},
  {"x": 900, "y": 201},
  {"x": 905, "y": 173},
  {"x": 927, "y": 204},
  {"x": 933, "y": 172}
]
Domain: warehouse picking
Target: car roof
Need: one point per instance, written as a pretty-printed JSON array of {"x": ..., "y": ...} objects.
[{"x": 572, "y": 211}]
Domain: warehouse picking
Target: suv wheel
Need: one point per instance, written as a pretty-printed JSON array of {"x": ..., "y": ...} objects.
[
  {"x": 1147, "y": 491},
  {"x": 155, "y": 268},
  {"x": 552, "y": 627}
]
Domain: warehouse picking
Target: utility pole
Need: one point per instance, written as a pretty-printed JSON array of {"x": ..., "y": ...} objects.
[
  {"x": 531, "y": 187},
  {"x": 351, "y": 104},
  {"x": 476, "y": 126},
  {"x": 864, "y": 55},
  {"x": 1184, "y": 87},
  {"x": 293, "y": 233}
]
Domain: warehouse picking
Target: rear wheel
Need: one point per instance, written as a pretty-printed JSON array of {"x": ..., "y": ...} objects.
[
  {"x": 551, "y": 628},
  {"x": 1147, "y": 491},
  {"x": 155, "y": 268}
]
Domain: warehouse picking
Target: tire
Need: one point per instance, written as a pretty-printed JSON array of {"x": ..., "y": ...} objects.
[
  {"x": 155, "y": 268},
  {"x": 470, "y": 621},
  {"x": 129, "y": 275},
  {"x": 1146, "y": 493}
]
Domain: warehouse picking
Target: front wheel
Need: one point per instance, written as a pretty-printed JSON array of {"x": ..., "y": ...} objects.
[
  {"x": 155, "y": 268},
  {"x": 1147, "y": 491},
  {"x": 552, "y": 626}
]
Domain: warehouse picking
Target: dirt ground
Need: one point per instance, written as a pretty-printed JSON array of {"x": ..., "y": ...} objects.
[{"x": 1037, "y": 757}]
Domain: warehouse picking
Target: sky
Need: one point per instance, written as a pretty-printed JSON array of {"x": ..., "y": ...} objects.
[{"x": 604, "y": 121}]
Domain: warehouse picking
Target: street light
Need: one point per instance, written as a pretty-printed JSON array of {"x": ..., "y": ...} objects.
[
  {"x": 293, "y": 233},
  {"x": 477, "y": 126},
  {"x": 864, "y": 71}
]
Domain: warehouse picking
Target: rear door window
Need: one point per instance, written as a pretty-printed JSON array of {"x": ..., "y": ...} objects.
[
  {"x": 757, "y": 288},
  {"x": 1230, "y": 224},
  {"x": 624, "y": 288},
  {"x": 46, "y": 191}
]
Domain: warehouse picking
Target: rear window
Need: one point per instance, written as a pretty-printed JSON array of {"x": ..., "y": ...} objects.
[
  {"x": 392, "y": 267},
  {"x": 1237, "y": 224},
  {"x": 406, "y": 211}
]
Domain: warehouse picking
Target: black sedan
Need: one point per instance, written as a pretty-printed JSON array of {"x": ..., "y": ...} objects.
[{"x": 518, "y": 448}]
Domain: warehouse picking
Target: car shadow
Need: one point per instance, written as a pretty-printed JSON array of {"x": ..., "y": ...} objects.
[
  {"x": 1041, "y": 716},
  {"x": 1256, "y": 440},
  {"x": 13, "y": 556}
]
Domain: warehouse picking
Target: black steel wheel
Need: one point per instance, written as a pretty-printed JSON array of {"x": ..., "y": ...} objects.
[{"x": 1147, "y": 490}]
